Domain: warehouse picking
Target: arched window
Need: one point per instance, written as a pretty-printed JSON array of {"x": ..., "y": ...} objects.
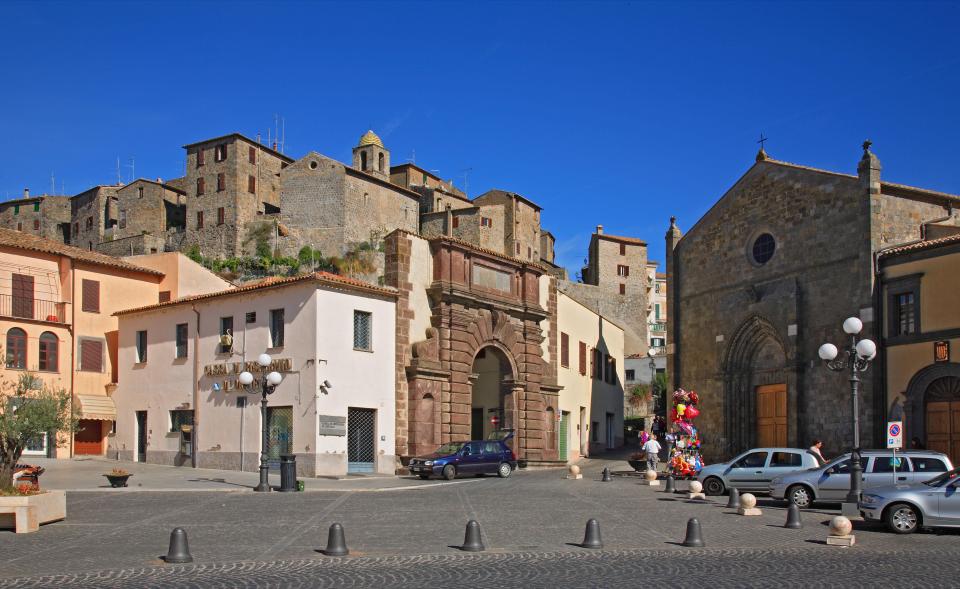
[
  {"x": 380, "y": 162},
  {"x": 17, "y": 348},
  {"x": 49, "y": 352},
  {"x": 363, "y": 160}
]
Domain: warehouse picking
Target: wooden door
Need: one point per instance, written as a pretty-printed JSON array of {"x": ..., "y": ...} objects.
[
  {"x": 89, "y": 438},
  {"x": 943, "y": 428},
  {"x": 772, "y": 415}
]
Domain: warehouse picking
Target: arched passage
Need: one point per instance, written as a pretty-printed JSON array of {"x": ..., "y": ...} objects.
[
  {"x": 491, "y": 379},
  {"x": 756, "y": 392},
  {"x": 932, "y": 410}
]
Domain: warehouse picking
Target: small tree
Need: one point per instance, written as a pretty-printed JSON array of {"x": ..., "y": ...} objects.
[{"x": 28, "y": 410}]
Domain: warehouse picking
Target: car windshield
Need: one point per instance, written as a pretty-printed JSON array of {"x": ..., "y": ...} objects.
[
  {"x": 939, "y": 481},
  {"x": 450, "y": 448}
]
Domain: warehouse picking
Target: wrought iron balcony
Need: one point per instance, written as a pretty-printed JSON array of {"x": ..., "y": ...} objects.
[
  {"x": 29, "y": 308},
  {"x": 658, "y": 326}
]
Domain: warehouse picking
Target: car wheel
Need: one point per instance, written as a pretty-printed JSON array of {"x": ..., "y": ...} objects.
[
  {"x": 424, "y": 476},
  {"x": 504, "y": 470},
  {"x": 800, "y": 496},
  {"x": 713, "y": 486},
  {"x": 449, "y": 472},
  {"x": 902, "y": 518}
]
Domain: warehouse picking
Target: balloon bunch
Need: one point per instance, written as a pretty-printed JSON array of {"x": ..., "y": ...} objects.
[{"x": 686, "y": 459}]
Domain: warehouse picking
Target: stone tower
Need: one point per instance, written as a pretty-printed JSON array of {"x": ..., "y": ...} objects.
[
  {"x": 371, "y": 156},
  {"x": 672, "y": 238}
]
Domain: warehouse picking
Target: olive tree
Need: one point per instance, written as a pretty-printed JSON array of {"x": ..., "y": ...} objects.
[{"x": 29, "y": 409}]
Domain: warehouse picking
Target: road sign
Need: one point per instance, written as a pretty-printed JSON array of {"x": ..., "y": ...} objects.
[{"x": 894, "y": 434}]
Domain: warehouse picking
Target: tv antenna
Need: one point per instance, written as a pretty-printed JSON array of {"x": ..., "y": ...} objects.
[{"x": 466, "y": 178}]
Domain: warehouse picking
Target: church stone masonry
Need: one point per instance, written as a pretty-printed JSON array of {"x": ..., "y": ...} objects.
[{"x": 765, "y": 277}]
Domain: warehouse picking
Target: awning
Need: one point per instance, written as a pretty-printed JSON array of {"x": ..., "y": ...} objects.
[{"x": 97, "y": 407}]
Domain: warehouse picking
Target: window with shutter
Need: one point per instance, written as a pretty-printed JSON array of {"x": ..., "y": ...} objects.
[
  {"x": 17, "y": 348},
  {"x": 276, "y": 328},
  {"x": 36, "y": 224},
  {"x": 91, "y": 355},
  {"x": 564, "y": 350},
  {"x": 583, "y": 358},
  {"x": 200, "y": 186},
  {"x": 199, "y": 157},
  {"x": 91, "y": 296},
  {"x": 181, "y": 340},
  {"x": 164, "y": 296},
  {"x": 220, "y": 216},
  {"x": 252, "y": 184},
  {"x": 253, "y": 155},
  {"x": 49, "y": 344},
  {"x": 221, "y": 182},
  {"x": 22, "y": 298},
  {"x": 199, "y": 219}
]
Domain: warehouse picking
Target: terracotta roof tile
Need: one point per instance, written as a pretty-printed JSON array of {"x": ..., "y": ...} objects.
[
  {"x": 272, "y": 282},
  {"x": 20, "y": 240},
  {"x": 632, "y": 240},
  {"x": 920, "y": 245}
]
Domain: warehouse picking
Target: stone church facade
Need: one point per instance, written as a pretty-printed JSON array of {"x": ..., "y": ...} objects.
[{"x": 764, "y": 278}]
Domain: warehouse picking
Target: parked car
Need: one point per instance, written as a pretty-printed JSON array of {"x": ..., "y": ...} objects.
[
  {"x": 831, "y": 482},
  {"x": 904, "y": 508},
  {"x": 474, "y": 457},
  {"x": 754, "y": 469}
]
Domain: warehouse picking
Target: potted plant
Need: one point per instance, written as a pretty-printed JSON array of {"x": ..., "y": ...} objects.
[
  {"x": 118, "y": 477},
  {"x": 638, "y": 461}
]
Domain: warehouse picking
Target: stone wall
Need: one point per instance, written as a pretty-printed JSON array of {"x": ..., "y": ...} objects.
[
  {"x": 313, "y": 205},
  {"x": 145, "y": 206},
  {"x": 134, "y": 245},
  {"x": 92, "y": 212},
  {"x": 44, "y": 216},
  {"x": 628, "y": 311}
]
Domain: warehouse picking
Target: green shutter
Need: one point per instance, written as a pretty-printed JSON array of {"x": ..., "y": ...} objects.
[{"x": 564, "y": 427}]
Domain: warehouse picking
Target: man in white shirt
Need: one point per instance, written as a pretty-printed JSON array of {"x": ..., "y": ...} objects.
[{"x": 652, "y": 448}]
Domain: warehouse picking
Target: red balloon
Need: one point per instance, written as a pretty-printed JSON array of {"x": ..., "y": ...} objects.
[{"x": 692, "y": 412}]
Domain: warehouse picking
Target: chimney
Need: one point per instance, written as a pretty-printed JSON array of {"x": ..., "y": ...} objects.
[
  {"x": 599, "y": 229},
  {"x": 868, "y": 170},
  {"x": 26, "y": 193},
  {"x": 159, "y": 180}
]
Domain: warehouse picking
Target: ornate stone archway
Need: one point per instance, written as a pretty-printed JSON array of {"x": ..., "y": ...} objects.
[
  {"x": 755, "y": 357},
  {"x": 914, "y": 409}
]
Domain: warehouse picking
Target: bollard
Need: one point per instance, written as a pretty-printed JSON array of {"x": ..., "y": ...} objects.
[
  {"x": 606, "y": 475},
  {"x": 336, "y": 542},
  {"x": 179, "y": 551},
  {"x": 694, "y": 537},
  {"x": 734, "y": 501},
  {"x": 472, "y": 541},
  {"x": 591, "y": 536},
  {"x": 669, "y": 488},
  {"x": 793, "y": 517}
]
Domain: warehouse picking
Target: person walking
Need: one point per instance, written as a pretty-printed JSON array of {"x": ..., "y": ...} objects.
[
  {"x": 815, "y": 450},
  {"x": 652, "y": 448}
]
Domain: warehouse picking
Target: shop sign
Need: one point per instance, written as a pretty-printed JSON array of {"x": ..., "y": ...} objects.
[
  {"x": 941, "y": 351},
  {"x": 332, "y": 425},
  {"x": 229, "y": 371}
]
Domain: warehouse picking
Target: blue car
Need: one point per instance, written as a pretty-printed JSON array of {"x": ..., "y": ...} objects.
[{"x": 476, "y": 457}]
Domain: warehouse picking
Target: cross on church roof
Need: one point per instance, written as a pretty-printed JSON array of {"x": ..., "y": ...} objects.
[
  {"x": 762, "y": 140},
  {"x": 762, "y": 154}
]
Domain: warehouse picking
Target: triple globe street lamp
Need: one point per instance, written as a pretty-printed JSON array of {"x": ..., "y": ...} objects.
[
  {"x": 266, "y": 383},
  {"x": 857, "y": 360}
]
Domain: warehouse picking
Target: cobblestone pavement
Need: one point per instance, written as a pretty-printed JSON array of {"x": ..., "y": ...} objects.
[{"x": 405, "y": 539}]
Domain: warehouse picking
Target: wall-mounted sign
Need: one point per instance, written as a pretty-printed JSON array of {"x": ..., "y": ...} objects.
[
  {"x": 332, "y": 425},
  {"x": 941, "y": 351},
  {"x": 230, "y": 372}
]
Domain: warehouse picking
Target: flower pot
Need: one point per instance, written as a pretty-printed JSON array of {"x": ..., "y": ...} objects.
[
  {"x": 638, "y": 465},
  {"x": 118, "y": 480}
]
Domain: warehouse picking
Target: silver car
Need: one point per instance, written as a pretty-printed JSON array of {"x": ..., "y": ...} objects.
[
  {"x": 754, "y": 469},
  {"x": 934, "y": 503},
  {"x": 831, "y": 482}
]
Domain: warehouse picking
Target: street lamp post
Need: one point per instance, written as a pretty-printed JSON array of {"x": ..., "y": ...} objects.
[
  {"x": 267, "y": 383},
  {"x": 859, "y": 355},
  {"x": 653, "y": 381}
]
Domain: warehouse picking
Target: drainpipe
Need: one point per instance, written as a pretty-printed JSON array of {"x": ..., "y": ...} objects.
[
  {"x": 196, "y": 389},
  {"x": 73, "y": 350}
]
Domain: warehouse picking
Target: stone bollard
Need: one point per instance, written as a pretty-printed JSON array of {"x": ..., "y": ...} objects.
[
  {"x": 591, "y": 536},
  {"x": 336, "y": 542},
  {"x": 606, "y": 475},
  {"x": 793, "y": 517},
  {"x": 650, "y": 479},
  {"x": 840, "y": 528},
  {"x": 748, "y": 505},
  {"x": 696, "y": 491},
  {"x": 179, "y": 550},
  {"x": 670, "y": 487},
  {"x": 694, "y": 538},
  {"x": 472, "y": 541},
  {"x": 574, "y": 473},
  {"x": 734, "y": 501}
]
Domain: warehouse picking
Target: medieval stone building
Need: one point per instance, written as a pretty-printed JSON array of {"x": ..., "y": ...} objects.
[
  {"x": 45, "y": 216},
  {"x": 764, "y": 278}
]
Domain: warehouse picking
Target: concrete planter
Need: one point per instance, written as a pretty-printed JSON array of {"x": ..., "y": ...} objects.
[{"x": 25, "y": 514}]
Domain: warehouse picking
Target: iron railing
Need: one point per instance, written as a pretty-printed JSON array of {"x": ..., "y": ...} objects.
[{"x": 28, "y": 308}]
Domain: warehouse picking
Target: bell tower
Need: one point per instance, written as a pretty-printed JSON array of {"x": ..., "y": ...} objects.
[{"x": 371, "y": 156}]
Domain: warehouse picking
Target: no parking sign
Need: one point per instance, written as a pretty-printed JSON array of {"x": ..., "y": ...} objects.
[{"x": 894, "y": 434}]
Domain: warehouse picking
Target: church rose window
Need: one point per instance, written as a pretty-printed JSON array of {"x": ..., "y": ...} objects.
[{"x": 763, "y": 248}]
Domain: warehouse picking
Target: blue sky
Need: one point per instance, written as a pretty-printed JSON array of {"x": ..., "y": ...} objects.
[{"x": 611, "y": 113}]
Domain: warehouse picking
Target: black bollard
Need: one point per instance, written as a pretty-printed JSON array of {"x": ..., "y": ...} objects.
[
  {"x": 694, "y": 538},
  {"x": 179, "y": 551},
  {"x": 793, "y": 517},
  {"x": 606, "y": 475},
  {"x": 591, "y": 536},
  {"x": 669, "y": 488},
  {"x": 472, "y": 541},
  {"x": 336, "y": 542},
  {"x": 734, "y": 501}
]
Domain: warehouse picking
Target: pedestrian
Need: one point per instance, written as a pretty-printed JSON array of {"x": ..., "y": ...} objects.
[
  {"x": 652, "y": 448},
  {"x": 815, "y": 450},
  {"x": 916, "y": 444}
]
